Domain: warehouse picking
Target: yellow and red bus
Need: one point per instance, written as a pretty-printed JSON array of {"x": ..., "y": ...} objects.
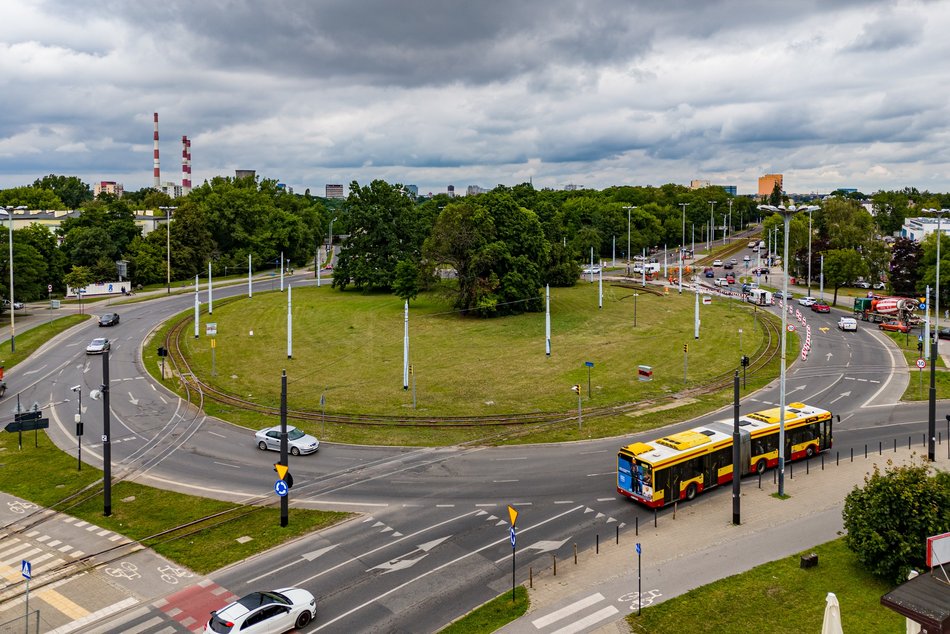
[{"x": 681, "y": 465}]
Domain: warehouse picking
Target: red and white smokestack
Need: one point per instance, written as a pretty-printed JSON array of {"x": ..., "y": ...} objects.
[
  {"x": 156, "y": 172},
  {"x": 185, "y": 165}
]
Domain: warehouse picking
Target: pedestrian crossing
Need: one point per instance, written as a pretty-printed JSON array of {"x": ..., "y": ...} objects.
[{"x": 580, "y": 615}]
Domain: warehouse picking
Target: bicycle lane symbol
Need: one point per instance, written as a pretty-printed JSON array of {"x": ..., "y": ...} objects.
[
  {"x": 171, "y": 574},
  {"x": 20, "y": 506},
  {"x": 126, "y": 569},
  {"x": 646, "y": 598}
]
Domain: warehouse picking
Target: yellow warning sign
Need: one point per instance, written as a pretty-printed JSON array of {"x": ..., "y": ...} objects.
[
  {"x": 513, "y": 514},
  {"x": 281, "y": 470}
]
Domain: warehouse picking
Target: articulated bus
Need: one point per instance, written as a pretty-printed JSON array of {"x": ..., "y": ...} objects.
[{"x": 678, "y": 466}]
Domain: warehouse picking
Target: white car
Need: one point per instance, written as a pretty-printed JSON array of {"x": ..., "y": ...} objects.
[
  {"x": 848, "y": 323},
  {"x": 808, "y": 301},
  {"x": 297, "y": 441},
  {"x": 879, "y": 286},
  {"x": 746, "y": 258},
  {"x": 753, "y": 244},
  {"x": 862, "y": 285},
  {"x": 99, "y": 345},
  {"x": 591, "y": 270},
  {"x": 722, "y": 282},
  {"x": 265, "y": 613},
  {"x": 717, "y": 262}
]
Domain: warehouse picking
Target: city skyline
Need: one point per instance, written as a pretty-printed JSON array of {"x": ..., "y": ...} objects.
[{"x": 595, "y": 94}]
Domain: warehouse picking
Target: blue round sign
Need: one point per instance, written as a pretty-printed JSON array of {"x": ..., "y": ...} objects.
[
  {"x": 511, "y": 536},
  {"x": 280, "y": 488}
]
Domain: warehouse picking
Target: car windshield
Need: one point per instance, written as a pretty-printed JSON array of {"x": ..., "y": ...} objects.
[
  {"x": 98, "y": 342},
  {"x": 295, "y": 434},
  {"x": 108, "y": 316}
]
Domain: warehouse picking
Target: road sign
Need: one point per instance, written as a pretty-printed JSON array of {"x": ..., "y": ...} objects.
[
  {"x": 511, "y": 536},
  {"x": 49, "y": 288},
  {"x": 26, "y": 569},
  {"x": 27, "y": 425},
  {"x": 281, "y": 470},
  {"x": 280, "y": 488},
  {"x": 589, "y": 364},
  {"x": 638, "y": 548},
  {"x": 790, "y": 327},
  {"x": 513, "y": 514},
  {"x": 28, "y": 416},
  {"x": 211, "y": 328},
  {"x": 921, "y": 364}
]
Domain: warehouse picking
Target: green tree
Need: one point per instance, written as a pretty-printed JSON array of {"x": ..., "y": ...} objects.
[
  {"x": 776, "y": 197},
  {"x": 78, "y": 277},
  {"x": 146, "y": 256},
  {"x": 44, "y": 241},
  {"x": 843, "y": 266},
  {"x": 382, "y": 227},
  {"x": 889, "y": 520},
  {"x": 69, "y": 189},
  {"x": 845, "y": 224},
  {"x": 406, "y": 285},
  {"x": 31, "y": 198},
  {"x": 904, "y": 268}
]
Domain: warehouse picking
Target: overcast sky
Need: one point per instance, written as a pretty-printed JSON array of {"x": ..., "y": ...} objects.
[{"x": 831, "y": 93}]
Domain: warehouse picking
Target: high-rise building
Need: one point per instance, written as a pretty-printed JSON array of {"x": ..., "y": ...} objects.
[
  {"x": 108, "y": 187},
  {"x": 413, "y": 190},
  {"x": 767, "y": 184},
  {"x": 450, "y": 190},
  {"x": 239, "y": 174},
  {"x": 732, "y": 190},
  {"x": 697, "y": 183},
  {"x": 335, "y": 191}
]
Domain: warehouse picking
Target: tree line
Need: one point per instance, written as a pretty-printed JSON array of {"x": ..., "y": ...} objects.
[{"x": 492, "y": 252}]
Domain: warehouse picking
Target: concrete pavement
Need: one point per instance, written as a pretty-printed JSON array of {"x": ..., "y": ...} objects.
[{"x": 701, "y": 545}]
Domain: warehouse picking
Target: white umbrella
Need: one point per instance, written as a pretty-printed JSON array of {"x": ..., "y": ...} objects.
[
  {"x": 912, "y": 627},
  {"x": 832, "y": 622}
]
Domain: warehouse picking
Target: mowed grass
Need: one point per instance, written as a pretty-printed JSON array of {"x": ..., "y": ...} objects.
[
  {"x": 493, "y": 615},
  {"x": 27, "y": 341},
  {"x": 779, "y": 597},
  {"x": 140, "y": 511},
  {"x": 349, "y": 347}
]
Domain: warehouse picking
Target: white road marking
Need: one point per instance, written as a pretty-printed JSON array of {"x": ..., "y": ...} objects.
[
  {"x": 567, "y": 610},
  {"x": 501, "y": 481},
  {"x": 506, "y": 459},
  {"x": 588, "y": 620},
  {"x": 224, "y": 464},
  {"x": 214, "y": 433}
]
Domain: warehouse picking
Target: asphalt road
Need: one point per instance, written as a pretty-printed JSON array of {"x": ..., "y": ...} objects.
[{"x": 431, "y": 541}]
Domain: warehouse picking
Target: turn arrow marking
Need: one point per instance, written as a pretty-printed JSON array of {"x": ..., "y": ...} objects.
[
  {"x": 403, "y": 561},
  {"x": 824, "y": 329},
  {"x": 546, "y": 545},
  {"x": 316, "y": 553},
  {"x": 843, "y": 394},
  {"x": 133, "y": 400},
  {"x": 828, "y": 357}
]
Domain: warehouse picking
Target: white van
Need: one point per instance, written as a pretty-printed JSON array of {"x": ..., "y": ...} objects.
[
  {"x": 760, "y": 297},
  {"x": 848, "y": 323}
]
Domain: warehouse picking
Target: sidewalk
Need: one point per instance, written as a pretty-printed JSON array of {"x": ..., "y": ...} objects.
[{"x": 702, "y": 545}]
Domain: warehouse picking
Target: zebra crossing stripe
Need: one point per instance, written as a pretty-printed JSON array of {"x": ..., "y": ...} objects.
[{"x": 567, "y": 610}]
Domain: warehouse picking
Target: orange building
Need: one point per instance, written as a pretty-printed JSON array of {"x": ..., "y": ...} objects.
[{"x": 767, "y": 184}]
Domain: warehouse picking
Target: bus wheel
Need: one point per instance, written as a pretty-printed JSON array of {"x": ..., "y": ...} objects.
[
  {"x": 760, "y": 466},
  {"x": 810, "y": 451},
  {"x": 691, "y": 491}
]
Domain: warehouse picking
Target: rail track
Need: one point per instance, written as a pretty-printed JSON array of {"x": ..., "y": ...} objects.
[{"x": 194, "y": 385}]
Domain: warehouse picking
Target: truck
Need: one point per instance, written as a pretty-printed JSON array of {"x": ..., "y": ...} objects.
[{"x": 879, "y": 309}]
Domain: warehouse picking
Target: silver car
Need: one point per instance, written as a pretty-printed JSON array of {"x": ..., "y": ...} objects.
[
  {"x": 98, "y": 346},
  {"x": 297, "y": 441}
]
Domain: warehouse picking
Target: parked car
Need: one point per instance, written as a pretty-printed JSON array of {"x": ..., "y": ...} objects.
[
  {"x": 717, "y": 262},
  {"x": 265, "y": 613},
  {"x": 109, "y": 319},
  {"x": 298, "y": 442},
  {"x": 944, "y": 333},
  {"x": 879, "y": 286},
  {"x": 862, "y": 284},
  {"x": 591, "y": 270},
  {"x": 848, "y": 323},
  {"x": 762, "y": 270},
  {"x": 98, "y": 346},
  {"x": 895, "y": 326},
  {"x": 821, "y": 307},
  {"x": 808, "y": 300}
]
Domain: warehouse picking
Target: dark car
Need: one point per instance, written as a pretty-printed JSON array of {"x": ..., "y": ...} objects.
[
  {"x": 821, "y": 307},
  {"x": 727, "y": 265},
  {"x": 109, "y": 319},
  {"x": 944, "y": 333}
]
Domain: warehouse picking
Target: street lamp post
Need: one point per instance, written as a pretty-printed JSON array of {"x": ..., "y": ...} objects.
[
  {"x": 932, "y": 397},
  {"x": 683, "y": 247},
  {"x": 78, "y": 418},
  {"x": 712, "y": 225},
  {"x": 628, "y": 208},
  {"x": 809, "y": 251},
  {"x": 787, "y": 213},
  {"x": 168, "y": 248},
  {"x": 10, "y": 210}
]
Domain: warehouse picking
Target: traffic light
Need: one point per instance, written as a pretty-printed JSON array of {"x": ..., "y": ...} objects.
[
  {"x": 576, "y": 388},
  {"x": 685, "y": 348},
  {"x": 745, "y": 361},
  {"x": 920, "y": 345}
]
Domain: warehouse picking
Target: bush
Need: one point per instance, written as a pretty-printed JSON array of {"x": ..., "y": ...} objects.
[{"x": 888, "y": 521}]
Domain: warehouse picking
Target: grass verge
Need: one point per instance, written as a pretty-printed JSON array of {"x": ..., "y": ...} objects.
[
  {"x": 493, "y": 615},
  {"x": 139, "y": 511},
  {"x": 29, "y": 340},
  {"x": 779, "y": 597}
]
